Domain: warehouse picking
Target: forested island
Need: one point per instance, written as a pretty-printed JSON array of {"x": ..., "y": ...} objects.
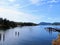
[{"x": 4, "y": 23}]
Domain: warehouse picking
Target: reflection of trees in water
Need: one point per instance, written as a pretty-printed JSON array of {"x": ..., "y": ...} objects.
[
  {"x": 2, "y": 37},
  {"x": 56, "y": 41},
  {"x": 50, "y": 29},
  {"x": 17, "y": 33}
]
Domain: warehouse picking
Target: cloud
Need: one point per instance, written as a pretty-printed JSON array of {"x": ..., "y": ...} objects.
[
  {"x": 8, "y": 4},
  {"x": 11, "y": 0},
  {"x": 53, "y": 1},
  {"x": 50, "y": 6},
  {"x": 18, "y": 16},
  {"x": 25, "y": 6},
  {"x": 2, "y": 2},
  {"x": 15, "y": 6},
  {"x": 10, "y": 11},
  {"x": 36, "y": 2}
]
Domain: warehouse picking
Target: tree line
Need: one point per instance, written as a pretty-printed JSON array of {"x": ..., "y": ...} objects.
[{"x": 4, "y": 23}]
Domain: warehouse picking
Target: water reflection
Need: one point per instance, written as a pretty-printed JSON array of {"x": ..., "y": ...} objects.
[
  {"x": 23, "y": 36},
  {"x": 30, "y": 28},
  {"x": 2, "y": 37},
  {"x": 50, "y": 29},
  {"x": 17, "y": 33}
]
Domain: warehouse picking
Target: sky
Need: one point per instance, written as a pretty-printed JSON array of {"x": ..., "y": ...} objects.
[{"x": 30, "y": 10}]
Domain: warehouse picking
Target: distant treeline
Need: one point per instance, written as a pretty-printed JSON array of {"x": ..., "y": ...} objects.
[
  {"x": 26, "y": 24},
  {"x": 45, "y": 23},
  {"x": 4, "y": 23}
]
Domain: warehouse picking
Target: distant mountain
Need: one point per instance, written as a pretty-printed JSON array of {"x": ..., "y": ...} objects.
[{"x": 44, "y": 23}]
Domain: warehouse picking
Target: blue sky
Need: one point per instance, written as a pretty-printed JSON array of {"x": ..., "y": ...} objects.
[{"x": 30, "y": 10}]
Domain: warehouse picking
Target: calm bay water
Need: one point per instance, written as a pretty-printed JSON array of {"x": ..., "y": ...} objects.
[{"x": 28, "y": 35}]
